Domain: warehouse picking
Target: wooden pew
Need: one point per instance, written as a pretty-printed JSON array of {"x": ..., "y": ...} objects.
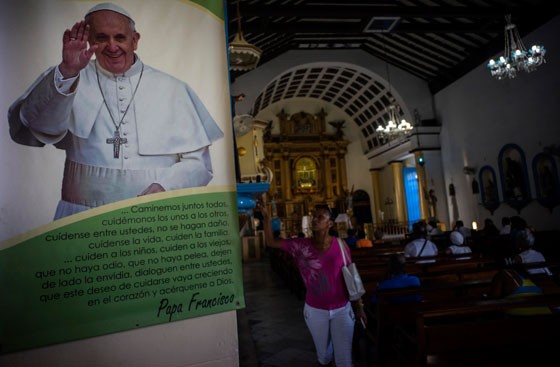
[
  {"x": 386, "y": 315},
  {"x": 480, "y": 333},
  {"x": 444, "y": 287}
]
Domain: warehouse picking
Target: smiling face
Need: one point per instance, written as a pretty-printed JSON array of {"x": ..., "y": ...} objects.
[{"x": 116, "y": 38}]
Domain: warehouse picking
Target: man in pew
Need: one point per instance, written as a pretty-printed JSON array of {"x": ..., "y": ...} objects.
[
  {"x": 420, "y": 246},
  {"x": 524, "y": 241}
]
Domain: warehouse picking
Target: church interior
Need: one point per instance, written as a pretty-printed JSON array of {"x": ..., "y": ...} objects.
[
  {"x": 390, "y": 113},
  {"x": 393, "y": 113}
]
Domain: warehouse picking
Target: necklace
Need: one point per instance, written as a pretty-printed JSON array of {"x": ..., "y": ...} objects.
[
  {"x": 116, "y": 140},
  {"x": 323, "y": 246}
]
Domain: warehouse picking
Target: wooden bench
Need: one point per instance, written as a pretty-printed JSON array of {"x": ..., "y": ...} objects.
[
  {"x": 481, "y": 333},
  {"x": 441, "y": 288},
  {"x": 386, "y": 315}
]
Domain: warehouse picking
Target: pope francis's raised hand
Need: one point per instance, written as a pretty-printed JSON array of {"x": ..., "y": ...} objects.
[{"x": 75, "y": 51}]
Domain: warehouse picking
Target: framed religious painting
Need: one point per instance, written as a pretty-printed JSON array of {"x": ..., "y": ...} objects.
[
  {"x": 513, "y": 173},
  {"x": 489, "y": 188},
  {"x": 306, "y": 175},
  {"x": 547, "y": 184}
]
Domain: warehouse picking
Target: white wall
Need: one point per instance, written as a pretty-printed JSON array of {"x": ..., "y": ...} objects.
[
  {"x": 479, "y": 115},
  {"x": 209, "y": 341},
  {"x": 413, "y": 91}
]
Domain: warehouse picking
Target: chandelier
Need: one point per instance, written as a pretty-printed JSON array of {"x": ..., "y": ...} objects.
[
  {"x": 516, "y": 57},
  {"x": 243, "y": 56},
  {"x": 395, "y": 126}
]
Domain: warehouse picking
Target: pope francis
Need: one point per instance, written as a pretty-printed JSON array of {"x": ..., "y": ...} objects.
[{"x": 127, "y": 128}]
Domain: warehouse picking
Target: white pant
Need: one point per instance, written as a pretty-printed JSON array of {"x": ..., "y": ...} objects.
[{"x": 332, "y": 332}]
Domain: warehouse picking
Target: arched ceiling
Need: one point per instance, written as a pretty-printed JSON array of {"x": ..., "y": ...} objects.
[{"x": 356, "y": 92}]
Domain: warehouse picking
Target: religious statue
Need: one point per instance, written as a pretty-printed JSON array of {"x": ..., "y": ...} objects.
[{"x": 432, "y": 202}]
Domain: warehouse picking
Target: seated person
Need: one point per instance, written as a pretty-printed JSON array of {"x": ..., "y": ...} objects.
[
  {"x": 398, "y": 278},
  {"x": 352, "y": 238},
  {"x": 524, "y": 241},
  {"x": 506, "y": 226},
  {"x": 490, "y": 228},
  {"x": 457, "y": 246},
  {"x": 363, "y": 242},
  {"x": 420, "y": 246},
  {"x": 460, "y": 226},
  {"x": 432, "y": 229}
]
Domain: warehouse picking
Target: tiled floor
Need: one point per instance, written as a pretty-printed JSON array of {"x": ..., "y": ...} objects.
[{"x": 272, "y": 332}]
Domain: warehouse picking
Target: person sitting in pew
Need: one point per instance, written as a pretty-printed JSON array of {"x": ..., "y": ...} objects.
[
  {"x": 398, "y": 278},
  {"x": 465, "y": 231},
  {"x": 363, "y": 241},
  {"x": 420, "y": 246},
  {"x": 352, "y": 238},
  {"x": 457, "y": 246},
  {"x": 433, "y": 229},
  {"x": 489, "y": 229},
  {"x": 506, "y": 226},
  {"x": 524, "y": 241}
]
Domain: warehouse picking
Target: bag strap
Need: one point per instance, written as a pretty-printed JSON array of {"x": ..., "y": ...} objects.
[
  {"x": 342, "y": 250},
  {"x": 424, "y": 245}
]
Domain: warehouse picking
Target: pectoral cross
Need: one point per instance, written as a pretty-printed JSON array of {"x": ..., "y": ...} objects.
[{"x": 117, "y": 141}]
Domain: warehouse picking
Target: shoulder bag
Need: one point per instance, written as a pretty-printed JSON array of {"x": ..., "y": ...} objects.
[
  {"x": 351, "y": 277},
  {"x": 423, "y": 246}
]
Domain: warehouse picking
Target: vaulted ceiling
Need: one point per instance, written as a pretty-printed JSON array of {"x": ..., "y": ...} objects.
[{"x": 436, "y": 40}]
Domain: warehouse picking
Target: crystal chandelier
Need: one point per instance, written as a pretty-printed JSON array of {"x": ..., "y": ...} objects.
[
  {"x": 396, "y": 126},
  {"x": 516, "y": 57},
  {"x": 243, "y": 56},
  {"x": 392, "y": 130}
]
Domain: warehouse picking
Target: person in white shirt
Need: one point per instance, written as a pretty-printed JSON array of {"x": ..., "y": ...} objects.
[
  {"x": 457, "y": 246},
  {"x": 460, "y": 226},
  {"x": 525, "y": 240},
  {"x": 127, "y": 128},
  {"x": 420, "y": 246},
  {"x": 506, "y": 226}
]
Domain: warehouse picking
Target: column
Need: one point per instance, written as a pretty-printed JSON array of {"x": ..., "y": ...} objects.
[
  {"x": 422, "y": 188},
  {"x": 376, "y": 195},
  {"x": 286, "y": 176},
  {"x": 326, "y": 174},
  {"x": 398, "y": 185}
]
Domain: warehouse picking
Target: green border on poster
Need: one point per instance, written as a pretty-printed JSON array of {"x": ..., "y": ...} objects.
[{"x": 136, "y": 263}]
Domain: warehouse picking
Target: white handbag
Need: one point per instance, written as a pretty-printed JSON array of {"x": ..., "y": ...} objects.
[{"x": 351, "y": 276}]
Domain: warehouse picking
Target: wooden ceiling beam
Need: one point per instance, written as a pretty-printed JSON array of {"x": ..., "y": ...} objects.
[
  {"x": 337, "y": 27},
  {"x": 344, "y": 11}
]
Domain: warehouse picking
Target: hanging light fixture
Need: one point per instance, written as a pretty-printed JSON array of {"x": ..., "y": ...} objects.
[
  {"x": 243, "y": 56},
  {"x": 516, "y": 57},
  {"x": 392, "y": 130},
  {"x": 395, "y": 126}
]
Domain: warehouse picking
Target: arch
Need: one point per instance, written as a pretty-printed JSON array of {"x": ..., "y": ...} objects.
[
  {"x": 360, "y": 93},
  {"x": 516, "y": 190},
  {"x": 361, "y": 207}
]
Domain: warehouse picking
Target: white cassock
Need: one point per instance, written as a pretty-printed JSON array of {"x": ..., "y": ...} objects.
[{"x": 167, "y": 129}]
